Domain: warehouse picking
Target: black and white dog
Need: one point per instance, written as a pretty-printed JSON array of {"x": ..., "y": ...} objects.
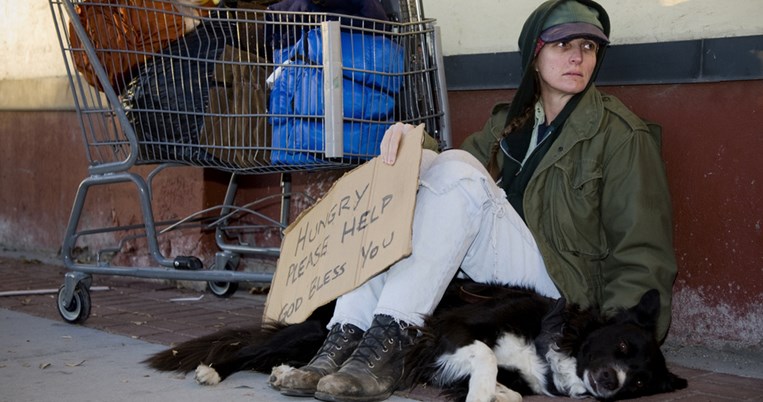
[
  {"x": 483, "y": 343},
  {"x": 535, "y": 345}
]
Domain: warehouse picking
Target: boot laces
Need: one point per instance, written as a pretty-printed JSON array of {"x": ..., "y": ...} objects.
[
  {"x": 336, "y": 340},
  {"x": 376, "y": 343}
]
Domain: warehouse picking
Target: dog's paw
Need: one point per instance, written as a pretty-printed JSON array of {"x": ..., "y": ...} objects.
[
  {"x": 504, "y": 394},
  {"x": 277, "y": 374},
  {"x": 206, "y": 375}
]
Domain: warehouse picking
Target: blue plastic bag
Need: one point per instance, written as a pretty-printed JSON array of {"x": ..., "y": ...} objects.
[{"x": 297, "y": 104}]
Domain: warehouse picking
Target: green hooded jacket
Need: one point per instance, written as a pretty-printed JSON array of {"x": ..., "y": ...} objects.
[{"x": 597, "y": 202}]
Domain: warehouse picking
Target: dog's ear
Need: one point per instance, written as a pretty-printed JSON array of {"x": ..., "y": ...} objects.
[
  {"x": 554, "y": 318},
  {"x": 551, "y": 326},
  {"x": 672, "y": 383},
  {"x": 552, "y": 323},
  {"x": 646, "y": 312}
]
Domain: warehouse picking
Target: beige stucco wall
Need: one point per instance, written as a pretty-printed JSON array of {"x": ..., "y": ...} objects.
[
  {"x": 468, "y": 27},
  {"x": 28, "y": 36},
  {"x": 32, "y": 74},
  {"x": 486, "y": 26}
]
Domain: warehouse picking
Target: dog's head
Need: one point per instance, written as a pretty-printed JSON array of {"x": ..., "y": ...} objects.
[{"x": 622, "y": 358}]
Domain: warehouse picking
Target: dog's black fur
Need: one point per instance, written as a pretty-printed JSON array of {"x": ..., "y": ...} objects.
[
  {"x": 255, "y": 348},
  {"x": 580, "y": 352},
  {"x": 574, "y": 352}
]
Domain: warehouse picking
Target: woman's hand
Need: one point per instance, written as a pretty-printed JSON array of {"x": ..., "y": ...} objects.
[{"x": 391, "y": 141}]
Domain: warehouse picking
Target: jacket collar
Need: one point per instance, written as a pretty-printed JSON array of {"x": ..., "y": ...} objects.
[{"x": 582, "y": 124}]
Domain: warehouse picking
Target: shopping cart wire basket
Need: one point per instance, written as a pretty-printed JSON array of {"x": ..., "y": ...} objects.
[{"x": 243, "y": 90}]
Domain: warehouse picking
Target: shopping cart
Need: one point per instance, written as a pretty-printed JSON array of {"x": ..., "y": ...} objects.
[{"x": 241, "y": 90}]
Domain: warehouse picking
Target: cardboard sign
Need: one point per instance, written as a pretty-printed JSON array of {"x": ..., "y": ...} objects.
[{"x": 358, "y": 229}]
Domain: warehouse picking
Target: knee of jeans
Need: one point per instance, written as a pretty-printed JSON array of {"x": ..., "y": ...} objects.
[
  {"x": 445, "y": 174},
  {"x": 427, "y": 157},
  {"x": 459, "y": 155}
]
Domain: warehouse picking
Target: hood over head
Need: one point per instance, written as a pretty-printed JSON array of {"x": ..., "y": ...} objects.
[{"x": 552, "y": 21}]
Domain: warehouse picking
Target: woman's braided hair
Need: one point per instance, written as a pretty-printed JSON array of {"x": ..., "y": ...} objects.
[{"x": 514, "y": 124}]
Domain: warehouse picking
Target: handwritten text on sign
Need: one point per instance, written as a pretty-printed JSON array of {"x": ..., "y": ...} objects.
[{"x": 359, "y": 228}]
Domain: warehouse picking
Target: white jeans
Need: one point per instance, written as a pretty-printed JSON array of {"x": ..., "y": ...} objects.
[{"x": 461, "y": 220}]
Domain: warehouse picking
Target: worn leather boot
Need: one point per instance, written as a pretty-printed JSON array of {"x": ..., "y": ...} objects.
[
  {"x": 339, "y": 344},
  {"x": 374, "y": 370}
]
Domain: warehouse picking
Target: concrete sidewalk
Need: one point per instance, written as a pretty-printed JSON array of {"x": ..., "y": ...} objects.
[{"x": 46, "y": 359}]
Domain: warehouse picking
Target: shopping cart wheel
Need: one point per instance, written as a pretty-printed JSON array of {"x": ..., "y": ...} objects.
[
  {"x": 223, "y": 289},
  {"x": 78, "y": 309}
]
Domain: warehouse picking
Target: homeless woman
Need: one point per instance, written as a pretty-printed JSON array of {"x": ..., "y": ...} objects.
[{"x": 563, "y": 190}]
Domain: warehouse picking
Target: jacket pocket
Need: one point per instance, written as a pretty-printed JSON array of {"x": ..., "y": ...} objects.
[{"x": 575, "y": 209}]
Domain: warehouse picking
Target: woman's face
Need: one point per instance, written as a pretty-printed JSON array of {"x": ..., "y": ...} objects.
[{"x": 564, "y": 68}]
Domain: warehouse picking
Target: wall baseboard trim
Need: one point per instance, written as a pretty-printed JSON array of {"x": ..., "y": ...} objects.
[{"x": 691, "y": 61}]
